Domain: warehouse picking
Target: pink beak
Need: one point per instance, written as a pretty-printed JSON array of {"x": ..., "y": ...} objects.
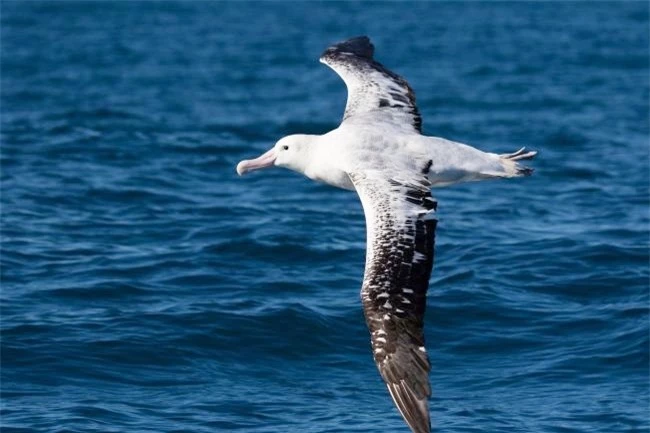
[{"x": 265, "y": 160}]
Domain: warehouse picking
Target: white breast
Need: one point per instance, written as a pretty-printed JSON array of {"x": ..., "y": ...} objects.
[
  {"x": 328, "y": 161},
  {"x": 325, "y": 173}
]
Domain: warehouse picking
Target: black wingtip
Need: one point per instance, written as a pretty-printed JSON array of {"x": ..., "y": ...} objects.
[
  {"x": 358, "y": 46},
  {"x": 414, "y": 410}
]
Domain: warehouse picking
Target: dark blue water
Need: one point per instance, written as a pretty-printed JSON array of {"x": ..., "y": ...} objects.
[{"x": 147, "y": 288}]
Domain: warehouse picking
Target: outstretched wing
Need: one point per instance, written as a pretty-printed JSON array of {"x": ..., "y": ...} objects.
[
  {"x": 373, "y": 90},
  {"x": 399, "y": 258}
]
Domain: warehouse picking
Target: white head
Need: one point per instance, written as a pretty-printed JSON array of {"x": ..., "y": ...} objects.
[{"x": 292, "y": 152}]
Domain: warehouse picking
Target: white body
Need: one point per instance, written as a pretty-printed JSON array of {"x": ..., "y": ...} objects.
[
  {"x": 353, "y": 148},
  {"x": 378, "y": 151}
]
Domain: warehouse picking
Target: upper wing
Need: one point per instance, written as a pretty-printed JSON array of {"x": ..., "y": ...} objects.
[
  {"x": 399, "y": 259},
  {"x": 372, "y": 89}
]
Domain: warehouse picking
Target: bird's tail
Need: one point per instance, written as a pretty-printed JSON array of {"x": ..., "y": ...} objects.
[{"x": 510, "y": 165}]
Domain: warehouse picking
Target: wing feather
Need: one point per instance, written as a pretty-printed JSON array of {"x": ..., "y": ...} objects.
[
  {"x": 401, "y": 227},
  {"x": 374, "y": 92}
]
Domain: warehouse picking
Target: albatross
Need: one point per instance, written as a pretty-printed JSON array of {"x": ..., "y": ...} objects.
[{"x": 379, "y": 151}]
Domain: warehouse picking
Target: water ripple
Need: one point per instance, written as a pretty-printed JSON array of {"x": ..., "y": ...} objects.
[{"x": 146, "y": 287}]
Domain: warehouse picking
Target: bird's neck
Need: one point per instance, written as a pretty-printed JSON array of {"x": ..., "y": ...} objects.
[{"x": 321, "y": 165}]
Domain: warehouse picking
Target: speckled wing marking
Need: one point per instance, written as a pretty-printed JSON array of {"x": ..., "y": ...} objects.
[
  {"x": 373, "y": 90},
  {"x": 401, "y": 226}
]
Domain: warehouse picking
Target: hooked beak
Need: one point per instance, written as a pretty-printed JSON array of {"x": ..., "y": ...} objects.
[{"x": 265, "y": 160}]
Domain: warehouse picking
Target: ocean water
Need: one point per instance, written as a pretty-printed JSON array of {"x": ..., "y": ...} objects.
[{"x": 147, "y": 288}]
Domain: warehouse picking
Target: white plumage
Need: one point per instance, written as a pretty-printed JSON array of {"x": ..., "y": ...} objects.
[{"x": 379, "y": 152}]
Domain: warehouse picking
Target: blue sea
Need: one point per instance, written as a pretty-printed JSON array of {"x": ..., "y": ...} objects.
[{"x": 147, "y": 288}]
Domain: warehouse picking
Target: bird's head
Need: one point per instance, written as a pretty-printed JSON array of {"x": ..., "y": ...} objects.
[{"x": 292, "y": 152}]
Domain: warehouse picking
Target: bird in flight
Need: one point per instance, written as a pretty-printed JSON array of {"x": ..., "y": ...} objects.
[{"x": 379, "y": 151}]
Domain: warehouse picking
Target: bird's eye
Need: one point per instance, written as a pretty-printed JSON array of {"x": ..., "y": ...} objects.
[{"x": 285, "y": 147}]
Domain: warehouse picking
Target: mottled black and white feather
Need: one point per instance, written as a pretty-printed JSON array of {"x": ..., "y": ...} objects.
[
  {"x": 375, "y": 94},
  {"x": 399, "y": 258},
  {"x": 379, "y": 151}
]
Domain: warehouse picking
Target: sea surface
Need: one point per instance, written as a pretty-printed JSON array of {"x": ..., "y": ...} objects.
[{"x": 147, "y": 288}]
